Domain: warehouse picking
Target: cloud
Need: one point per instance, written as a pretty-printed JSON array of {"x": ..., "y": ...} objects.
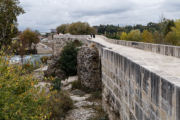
[{"x": 46, "y": 14}]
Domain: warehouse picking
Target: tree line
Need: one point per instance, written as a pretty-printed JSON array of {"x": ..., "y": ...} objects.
[{"x": 165, "y": 32}]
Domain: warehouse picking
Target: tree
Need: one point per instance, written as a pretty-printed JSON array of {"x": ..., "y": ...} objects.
[
  {"x": 62, "y": 28},
  {"x": 81, "y": 28},
  {"x": 134, "y": 35},
  {"x": 147, "y": 36},
  {"x": 173, "y": 37},
  {"x": 123, "y": 36},
  {"x": 27, "y": 37},
  {"x": 9, "y": 10},
  {"x": 68, "y": 59}
]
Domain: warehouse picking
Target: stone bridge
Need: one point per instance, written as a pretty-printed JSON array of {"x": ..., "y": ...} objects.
[{"x": 141, "y": 81}]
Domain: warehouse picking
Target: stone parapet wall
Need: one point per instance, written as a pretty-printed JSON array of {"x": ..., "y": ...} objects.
[
  {"x": 168, "y": 50},
  {"x": 135, "y": 93},
  {"x": 59, "y": 41},
  {"x": 132, "y": 92}
]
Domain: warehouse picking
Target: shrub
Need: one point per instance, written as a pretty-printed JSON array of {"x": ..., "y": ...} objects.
[
  {"x": 59, "y": 103},
  {"x": 30, "y": 67},
  {"x": 19, "y": 98},
  {"x": 68, "y": 59},
  {"x": 44, "y": 59},
  {"x": 56, "y": 84}
]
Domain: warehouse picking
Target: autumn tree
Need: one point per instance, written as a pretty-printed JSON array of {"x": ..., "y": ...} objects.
[
  {"x": 123, "y": 36},
  {"x": 27, "y": 38},
  {"x": 173, "y": 37},
  {"x": 134, "y": 35},
  {"x": 147, "y": 36},
  {"x": 9, "y": 10}
]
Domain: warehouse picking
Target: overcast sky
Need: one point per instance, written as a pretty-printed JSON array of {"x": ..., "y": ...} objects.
[{"x": 47, "y": 14}]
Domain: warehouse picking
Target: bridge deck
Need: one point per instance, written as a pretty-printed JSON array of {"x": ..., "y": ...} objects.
[{"x": 165, "y": 66}]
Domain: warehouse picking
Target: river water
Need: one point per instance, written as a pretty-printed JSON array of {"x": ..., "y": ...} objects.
[{"x": 28, "y": 58}]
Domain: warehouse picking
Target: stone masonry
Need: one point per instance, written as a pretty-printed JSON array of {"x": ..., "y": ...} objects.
[
  {"x": 138, "y": 89},
  {"x": 89, "y": 68}
]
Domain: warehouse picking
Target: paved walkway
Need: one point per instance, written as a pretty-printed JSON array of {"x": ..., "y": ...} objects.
[{"x": 165, "y": 66}]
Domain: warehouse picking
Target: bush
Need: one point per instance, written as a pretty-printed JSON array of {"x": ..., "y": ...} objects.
[
  {"x": 44, "y": 59},
  {"x": 56, "y": 84},
  {"x": 19, "y": 98},
  {"x": 59, "y": 103},
  {"x": 30, "y": 67},
  {"x": 68, "y": 59}
]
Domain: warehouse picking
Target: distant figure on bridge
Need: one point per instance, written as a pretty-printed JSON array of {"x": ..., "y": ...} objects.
[
  {"x": 91, "y": 35},
  {"x": 94, "y": 36}
]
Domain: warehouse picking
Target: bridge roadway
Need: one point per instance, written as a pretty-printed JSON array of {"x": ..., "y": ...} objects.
[{"x": 165, "y": 66}]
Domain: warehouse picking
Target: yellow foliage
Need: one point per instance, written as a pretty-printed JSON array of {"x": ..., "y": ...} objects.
[
  {"x": 134, "y": 35},
  {"x": 173, "y": 37},
  {"x": 20, "y": 99},
  {"x": 147, "y": 36},
  {"x": 123, "y": 36}
]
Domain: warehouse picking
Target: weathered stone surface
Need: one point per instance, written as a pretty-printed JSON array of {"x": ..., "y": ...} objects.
[
  {"x": 54, "y": 70},
  {"x": 89, "y": 71},
  {"x": 141, "y": 84}
]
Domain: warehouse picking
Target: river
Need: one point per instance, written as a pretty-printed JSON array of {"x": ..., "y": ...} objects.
[{"x": 28, "y": 58}]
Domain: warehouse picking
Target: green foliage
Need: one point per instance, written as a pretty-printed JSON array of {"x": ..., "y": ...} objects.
[
  {"x": 56, "y": 84},
  {"x": 20, "y": 99},
  {"x": 59, "y": 104},
  {"x": 9, "y": 10},
  {"x": 68, "y": 59},
  {"x": 77, "y": 28},
  {"x": 173, "y": 37},
  {"x": 62, "y": 28},
  {"x": 134, "y": 35},
  {"x": 147, "y": 37},
  {"x": 161, "y": 33}
]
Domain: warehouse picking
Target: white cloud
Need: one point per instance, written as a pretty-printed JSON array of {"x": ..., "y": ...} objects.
[{"x": 46, "y": 14}]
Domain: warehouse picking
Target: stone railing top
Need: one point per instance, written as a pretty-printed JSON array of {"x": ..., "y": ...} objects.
[{"x": 168, "y": 50}]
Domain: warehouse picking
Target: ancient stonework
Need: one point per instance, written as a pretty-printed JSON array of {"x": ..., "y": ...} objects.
[
  {"x": 133, "y": 89},
  {"x": 89, "y": 71},
  {"x": 54, "y": 69}
]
